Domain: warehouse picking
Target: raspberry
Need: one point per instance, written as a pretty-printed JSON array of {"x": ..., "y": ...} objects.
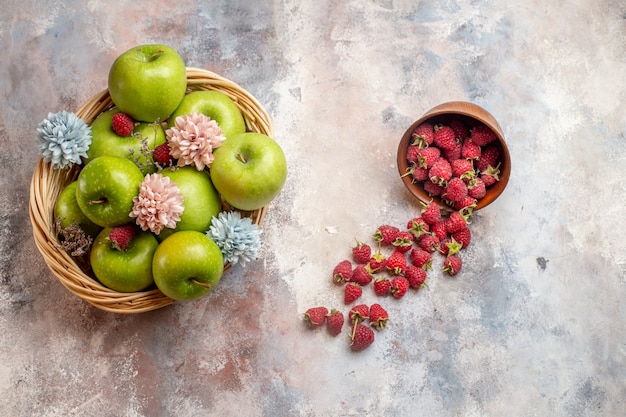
[
  {"x": 470, "y": 150},
  {"x": 314, "y": 317},
  {"x": 121, "y": 236},
  {"x": 433, "y": 189},
  {"x": 122, "y": 124},
  {"x": 423, "y": 135},
  {"x": 452, "y": 265},
  {"x": 463, "y": 236},
  {"x": 334, "y": 322},
  {"x": 456, "y": 190},
  {"x": 352, "y": 292},
  {"x": 362, "y": 337},
  {"x": 429, "y": 243},
  {"x": 444, "y": 137},
  {"x": 396, "y": 263},
  {"x": 431, "y": 213},
  {"x": 421, "y": 258},
  {"x": 462, "y": 168},
  {"x": 361, "y": 275},
  {"x": 449, "y": 246},
  {"x": 378, "y": 316},
  {"x": 377, "y": 262},
  {"x": 415, "y": 275},
  {"x": 403, "y": 241},
  {"x": 342, "y": 272},
  {"x": 476, "y": 188},
  {"x": 460, "y": 129},
  {"x": 482, "y": 135},
  {"x": 161, "y": 154},
  {"x": 418, "y": 226},
  {"x": 440, "y": 172},
  {"x": 488, "y": 157},
  {"x": 439, "y": 229},
  {"x": 361, "y": 252},
  {"x": 358, "y": 313},
  {"x": 386, "y": 234},
  {"x": 427, "y": 157},
  {"x": 382, "y": 286},
  {"x": 399, "y": 286},
  {"x": 457, "y": 221}
]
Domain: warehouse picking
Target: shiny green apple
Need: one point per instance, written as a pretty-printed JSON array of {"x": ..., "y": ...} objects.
[
  {"x": 105, "y": 190},
  {"x": 249, "y": 170},
  {"x": 127, "y": 270},
  {"x": 201, "y": 201},
  {"x": 148, "y": 82},
  {"x": 138, "y": 147},
  {"x": 67, "y": 210},
  {"x": 214, "y": 104},
  {"x": 187, "y": 265}
]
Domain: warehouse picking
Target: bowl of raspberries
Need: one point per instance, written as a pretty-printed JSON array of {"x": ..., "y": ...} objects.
[{"x": 455, "y": 155}]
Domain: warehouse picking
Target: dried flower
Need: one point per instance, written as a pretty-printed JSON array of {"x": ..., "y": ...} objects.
[
  {"x": 72, "y": 238},
  {"x": 238, "y": 238},
  {"x": 193, "y": 138},
  {"x": 158, "y": 204},
  {"x": 63, "y": 139}
]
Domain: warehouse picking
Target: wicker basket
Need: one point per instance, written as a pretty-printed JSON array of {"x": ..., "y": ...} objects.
[{"x": 47, "y": 184}]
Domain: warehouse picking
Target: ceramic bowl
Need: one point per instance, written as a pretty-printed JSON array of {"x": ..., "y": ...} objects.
[{"x": 470, "y": 114}]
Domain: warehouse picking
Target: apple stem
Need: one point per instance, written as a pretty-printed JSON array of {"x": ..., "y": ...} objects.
[
  {"x": 93, "y": 202},
  {"x": 202, "y": 284},
  {"x": 155, "y": 55},
  {"x": 241, "y": 158}
]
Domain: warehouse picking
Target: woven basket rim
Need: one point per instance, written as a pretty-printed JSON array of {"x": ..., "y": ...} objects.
[{"x": 47, "y": 183}]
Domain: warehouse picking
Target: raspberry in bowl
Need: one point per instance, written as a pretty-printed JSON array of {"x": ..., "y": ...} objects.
[{"x": 456, "y": 156}]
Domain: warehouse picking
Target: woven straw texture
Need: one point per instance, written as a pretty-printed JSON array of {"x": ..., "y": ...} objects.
[{"x": 47, "y": 184}]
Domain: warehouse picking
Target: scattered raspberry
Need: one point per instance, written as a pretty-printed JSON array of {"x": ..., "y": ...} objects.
[
  {"x": 449, "y": 246},
  {"x": 452, "y": 265},
  {"x": 352, "y": 292},
  {"x": 121, "y": 236},
  {"x": 429, "y": 242},
  {"x": 444, "y": 137},
  {"x": 358, "y": 313},
  {"x": 382, "y": 286},
  {"x": 396, "y": 263},
  {"x": 457, "y": 221},
  {"x": 386, "y": 234},
  {"x": 315, "y": 316},
  {"x": 404, "y": 241},
  {"x": 362, "y": 337},
  {"x": 463, "y": 236},
  {"x": 161, "y": 154},
  {"x": 418, "y": 226},
  {"x": 415, "y": 276},
  {"x": 399, "y": 286},
  {"x": 431, "y": 213},
  {"x": 122, "y": 124},
  {"x": 377, "y": 262},
  {"x": 361, "y": 253},
  {"x": 439, "y": 230},
  {"x": 378, "y": 316},
  {"x": 334, "y": 322},
  {"x": 421, "y": 258},
  {"x": 342, "y": 272},
  {"x": 361, "y": 275}
]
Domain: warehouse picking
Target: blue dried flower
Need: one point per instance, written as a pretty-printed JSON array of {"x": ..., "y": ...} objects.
[
  {"x": 63, "y": 139},
  {"x": 238, "y": 238}
]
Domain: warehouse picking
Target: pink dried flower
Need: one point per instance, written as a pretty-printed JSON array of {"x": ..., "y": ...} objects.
[
  {"x": 193, "y": 138},
  {"x": 158, "y": 204}
]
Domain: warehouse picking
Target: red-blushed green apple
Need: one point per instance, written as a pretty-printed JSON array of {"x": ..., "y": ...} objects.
[
  {"x": 127, "y": 270},
  {"x": 249, "y": 170},
  {"x": 217, "y": 106},
  {"x": 148, "y": 82},
  {"x": 201, "y": 201},
  {"x": 66, "y": 209},
  {"x": 145, "y": 137},
  {"x": 105, "y": 189},
  {"x": 187, "y": 265}
]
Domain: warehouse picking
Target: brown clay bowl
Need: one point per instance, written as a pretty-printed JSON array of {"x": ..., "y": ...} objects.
[{"x": 470, "y": 114}]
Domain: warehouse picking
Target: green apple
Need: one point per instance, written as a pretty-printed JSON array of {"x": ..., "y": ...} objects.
[
  {"x": 249, "y": 170},
  {"x": 148, "y": 82},
  {"x": 214, "y": 104},
  {"x": 104, "y": 141},
  {"x": 67, "y": 210},
  {"x": 105, "y": 190},
  {"x": 187, "y": 265},
  {"x": 127, "y": 270},
  {"x": 201, "y": 201}
]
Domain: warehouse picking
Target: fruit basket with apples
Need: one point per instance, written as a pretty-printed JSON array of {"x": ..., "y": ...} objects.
[{"x": 155, "y": 186}]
